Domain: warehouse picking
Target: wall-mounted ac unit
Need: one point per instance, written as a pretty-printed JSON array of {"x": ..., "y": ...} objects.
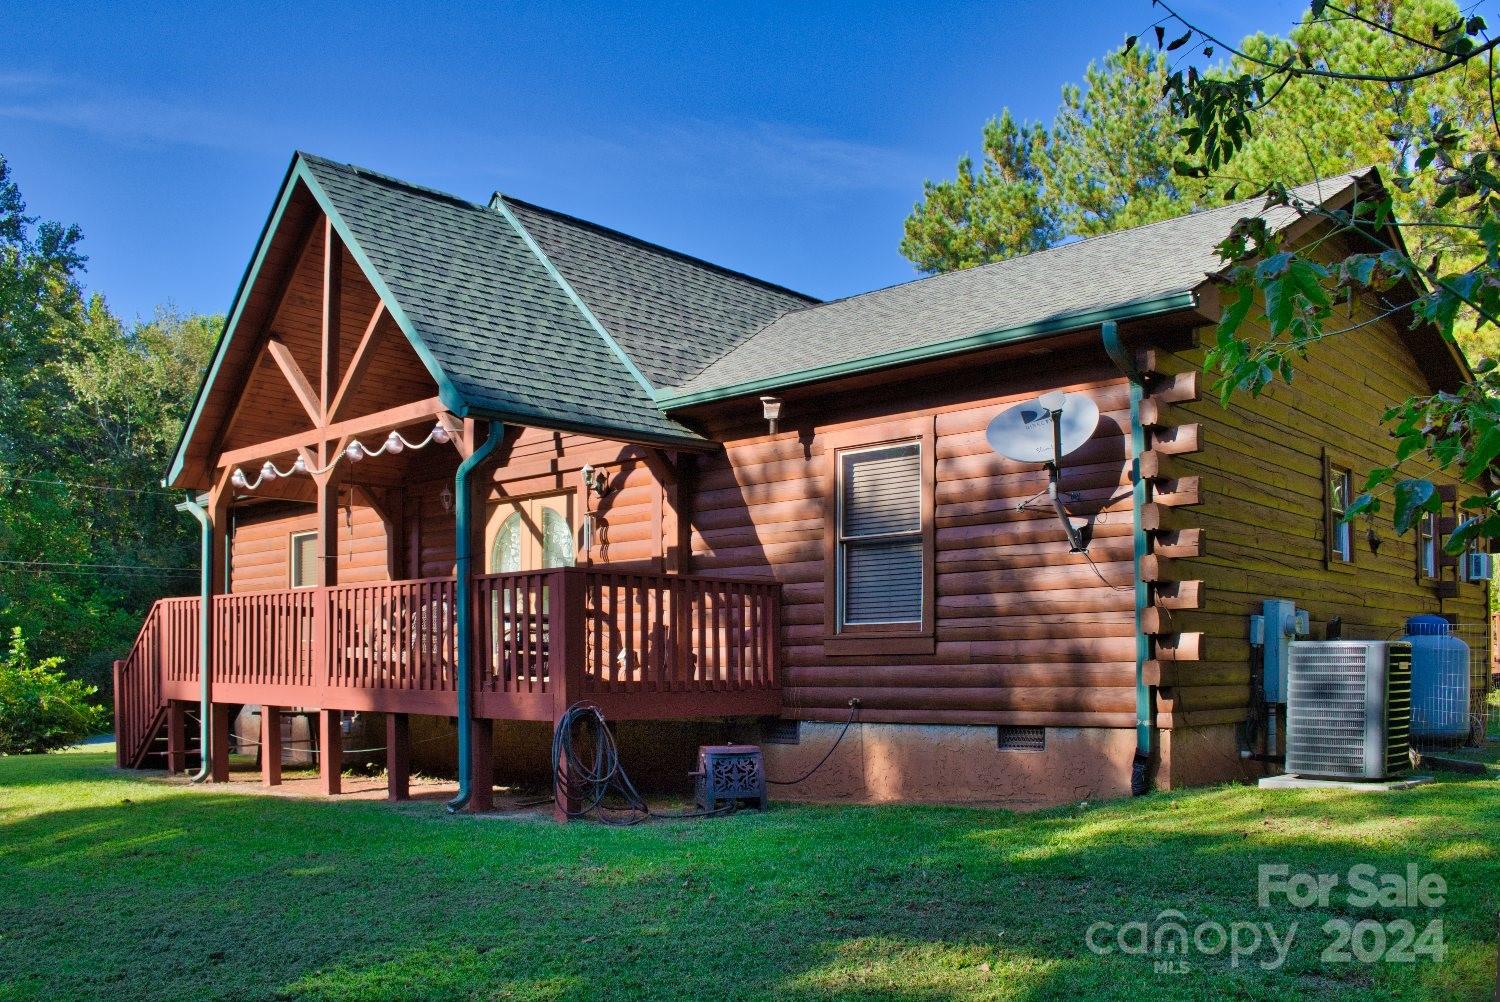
[{"x": 1348, "y": 709}]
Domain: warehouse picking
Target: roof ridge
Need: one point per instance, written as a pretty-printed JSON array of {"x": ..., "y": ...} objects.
[
  {"x": 391, "y": 181},
  {"x": 651, "y": 245},
  {"x": 572, "y": 294}
]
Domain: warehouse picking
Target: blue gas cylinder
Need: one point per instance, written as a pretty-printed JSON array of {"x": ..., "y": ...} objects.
[{"x": 1439, "y": 679}]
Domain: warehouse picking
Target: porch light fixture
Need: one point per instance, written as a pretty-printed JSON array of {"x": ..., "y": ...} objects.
[
  {"x": 770, "y": 408},
  {"x": 355, "y": 451},
  {"x": 595, "y": 481},
  {"x": 447, "y": 498}
]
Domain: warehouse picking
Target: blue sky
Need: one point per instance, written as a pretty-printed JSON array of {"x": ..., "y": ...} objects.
[{"x": 788, "y": 141}]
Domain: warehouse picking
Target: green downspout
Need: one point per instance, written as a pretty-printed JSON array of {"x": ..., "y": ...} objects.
[
  {"x": 463, "y": 602},
  {"x": 205, "y": 607},
  {"x": 1140, "y": 497}
]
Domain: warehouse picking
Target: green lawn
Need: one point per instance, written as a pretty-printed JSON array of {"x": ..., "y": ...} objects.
[{"x": 114, "y": 887}]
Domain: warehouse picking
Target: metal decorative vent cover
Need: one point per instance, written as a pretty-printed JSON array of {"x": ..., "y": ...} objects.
[
  {"x": 1011, "y": 737},
  {"x": 728, "y": 774},
  {"x": 779, "y": 731}
]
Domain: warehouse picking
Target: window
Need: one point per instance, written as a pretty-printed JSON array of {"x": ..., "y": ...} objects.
[
  {"x": 304, "y": 559},
  {"x": 1427, "y": 546},
  {"x": 1338, "y": 535},
  {"x": 1341, "y": 542},
  {"x": 880, "y": 535},
  {"x": 879, "y": 545}
]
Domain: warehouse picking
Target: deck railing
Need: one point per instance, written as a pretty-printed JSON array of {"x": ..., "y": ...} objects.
[{"x": 540, "y": 638}]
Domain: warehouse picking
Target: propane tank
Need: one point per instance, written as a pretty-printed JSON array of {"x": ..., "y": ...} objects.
[{"x": 1439, "y": 679}]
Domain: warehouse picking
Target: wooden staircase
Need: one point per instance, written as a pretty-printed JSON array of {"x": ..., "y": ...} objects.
[{"x": 140, "y": 707}]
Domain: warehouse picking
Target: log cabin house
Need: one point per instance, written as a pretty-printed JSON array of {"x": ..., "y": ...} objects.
[{"x": 422, "y": 406}]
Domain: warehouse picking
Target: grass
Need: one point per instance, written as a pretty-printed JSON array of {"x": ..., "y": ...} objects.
[{"x": 112, "y": 886}]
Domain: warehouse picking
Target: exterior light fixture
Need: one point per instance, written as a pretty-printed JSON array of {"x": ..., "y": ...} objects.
[
  {"x": 355, "y": 451},
  {"x": 447, "y": 499},
  {"x": 299, "y": 465},
  {"x": 771, "y": 410},
  {"x": 268, "y": 471},
  {"x": 394, "y": 443},
  {"x": 439, "y": 433},
  {"x": 595, "y": 481},
  {"x": 238, "y": 478}
]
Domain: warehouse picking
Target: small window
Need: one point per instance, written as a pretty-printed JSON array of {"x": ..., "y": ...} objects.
[
  {"x": 1427, "y": 546},
  {"x": 881, "y": 553},
  {"x": 1341, "y": 542},
  {"x": 304, "y": 559}
]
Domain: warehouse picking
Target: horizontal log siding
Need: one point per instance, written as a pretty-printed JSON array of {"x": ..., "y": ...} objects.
[
  {"x": 260, "y": 551},
  {"x": 1026, "y": 632},
  {"x": 1261, "y": 485}
]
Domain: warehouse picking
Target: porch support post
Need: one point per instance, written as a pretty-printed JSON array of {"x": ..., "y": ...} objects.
[
  {"x": 482, "y": 766},
  {"x": 270, "y": 746},
  {"x": 327, "y": 485},
  {"x": 565, "y": 628},
  {"x": 218, "y": 736},
  {"x": 331, "y": 751},
  {"x": 176, "y": 737},
  {"x": 398, "y": 756}
]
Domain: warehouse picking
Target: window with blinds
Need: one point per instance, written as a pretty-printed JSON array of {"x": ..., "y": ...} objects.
[
  {"x": 880, "y": 535},
  {"x": 304, "y": 559}
]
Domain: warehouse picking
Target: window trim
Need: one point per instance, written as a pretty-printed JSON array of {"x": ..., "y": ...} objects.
[
  {"x": 1332, "y": 559},
  {"x": 854, "y": 639},
  {"x": 291, "y": 560}
]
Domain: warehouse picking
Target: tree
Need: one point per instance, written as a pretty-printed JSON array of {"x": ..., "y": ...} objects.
[
  {"x": 89, "y": 415},
  {"x": 998, "y": 212},
  {"x": 1105, "y": 163},
  {"x": 1280, "y": 300}
]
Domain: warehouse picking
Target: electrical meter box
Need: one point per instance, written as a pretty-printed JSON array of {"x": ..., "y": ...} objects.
[{"x": 1279, "y": 623}]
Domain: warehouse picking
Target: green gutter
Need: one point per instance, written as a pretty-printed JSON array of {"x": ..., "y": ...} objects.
[
  {"x": 205, "y": 623},
  {"x": 1145, "y": 724},
  {"x": 463, "y": 601},
  {"x": 1062, "y": 324}
]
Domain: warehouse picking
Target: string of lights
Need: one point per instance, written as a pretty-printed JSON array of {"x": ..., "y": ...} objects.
[{"x": 355, "y": 451}]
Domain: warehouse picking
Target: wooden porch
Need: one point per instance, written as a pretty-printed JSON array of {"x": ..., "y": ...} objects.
[{"x": 641, "y": 646}]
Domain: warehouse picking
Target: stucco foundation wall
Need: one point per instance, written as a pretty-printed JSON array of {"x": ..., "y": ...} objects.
[
  {"x": 876, "y": 763},
  {"x": 928, "y": 763},
  {"x": 1202, "y": 756}
]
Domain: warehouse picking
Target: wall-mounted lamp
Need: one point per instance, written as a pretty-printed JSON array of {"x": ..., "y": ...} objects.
[
  {"x": 447, "y": 499},
  {"x": 771, "y": 410},
  {"x": 595, "y": 481},
  {"x": 1372, "y": 536}
]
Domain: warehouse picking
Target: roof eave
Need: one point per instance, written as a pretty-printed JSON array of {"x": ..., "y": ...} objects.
[{"x": 1066, "y": 323}]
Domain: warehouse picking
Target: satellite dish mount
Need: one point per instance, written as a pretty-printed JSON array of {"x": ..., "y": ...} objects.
[{"x": 1044, "y": 431}]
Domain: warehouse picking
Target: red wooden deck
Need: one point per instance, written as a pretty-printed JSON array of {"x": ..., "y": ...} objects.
[{"x": 641, "y": 646}]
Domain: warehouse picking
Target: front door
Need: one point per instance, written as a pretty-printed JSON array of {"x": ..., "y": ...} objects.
[{"x": 530, "y": 534}]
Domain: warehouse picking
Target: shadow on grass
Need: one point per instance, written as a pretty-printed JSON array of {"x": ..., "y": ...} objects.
[{"x": 170, "y": 892}]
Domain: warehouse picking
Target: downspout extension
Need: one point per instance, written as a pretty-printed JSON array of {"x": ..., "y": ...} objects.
[
  {"x": 463, "y": 600},
  {"x": 1145, "y": 723},
  {"x": 205, "y": 613}
]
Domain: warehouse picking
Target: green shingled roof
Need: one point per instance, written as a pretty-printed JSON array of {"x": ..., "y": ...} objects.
[
  {"x": 672, "y": 314},
  {"x": 486, "y": 309}
]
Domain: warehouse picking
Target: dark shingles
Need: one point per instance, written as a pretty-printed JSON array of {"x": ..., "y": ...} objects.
[
  {"x": 497, "y": 322},
  {"x": 672, "y": 314},
  {"x": 1104, "y": 272}
]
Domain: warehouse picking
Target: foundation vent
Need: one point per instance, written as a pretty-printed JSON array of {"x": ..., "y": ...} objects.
[
  {"x": 1009, "y": 737},
  {"x": 776, "y": 731}
]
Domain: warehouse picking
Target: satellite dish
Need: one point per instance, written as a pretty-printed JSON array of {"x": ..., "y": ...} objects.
[{"x": 1024, "y": 432}]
